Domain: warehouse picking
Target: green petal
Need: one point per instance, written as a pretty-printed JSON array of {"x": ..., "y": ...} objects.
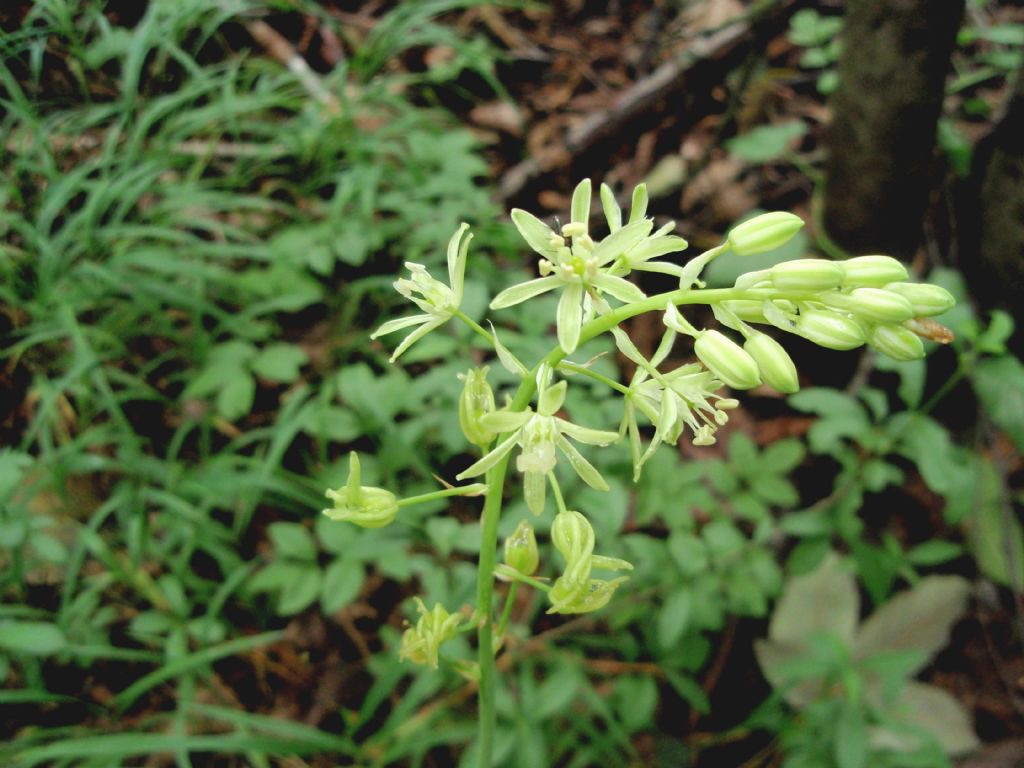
[
  {"x": 583, "y": 468},
  {"x": 508, "y": 361},
  {"x": 416, "y": 335},
  {"x": 570, "y": 317},
  {"x": 397, "y": 325},
  {"x": 523, "y": 291},
  {"x": 620, "y": 288},
  {"x": 612, "y": 212},
  {"x": 505, "y": 421},
  {"x": 586, "y": 434},
  {"x": 622, "y": 241},
  {"x": 534, "y": 490},
  {"x": 638, "y": 208},
  {"x": 457, "y": 251},
  {"x": 552, "y": 398},
  {"x": 655, "y": 247},
  {"x": 535, "y": 232},
  {"x": 580, "y": 210},
  {"x": 489, "y": 459}
]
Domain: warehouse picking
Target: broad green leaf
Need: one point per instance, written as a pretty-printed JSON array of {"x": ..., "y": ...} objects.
[
  {"x": 32, "y": 638},
  {"x": 299, "y": 593},
  {"x": 342, "y": 581},
  {"x": 996, "y": 536},
  {"x": 824, "y": 600},
  {"x": 919, "y": 619},
  {"x": 850, "y": 748},
  {"x": 766, "y": 142},
  {"x": 235, "y": 398},
  {"x": 999, "y": 383},
  {"x": 674, "y": 617},
  {"x": 279, "y": 362}
]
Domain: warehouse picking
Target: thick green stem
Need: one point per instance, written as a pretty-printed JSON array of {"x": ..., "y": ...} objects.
[{"x": 496, "y": 484}]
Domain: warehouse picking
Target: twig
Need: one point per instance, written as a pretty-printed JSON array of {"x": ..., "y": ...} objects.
[{"x": 283, "y": 51}]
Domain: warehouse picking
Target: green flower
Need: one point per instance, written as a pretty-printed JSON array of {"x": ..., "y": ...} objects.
[
  {"x": 422, "y": 644},
  {"x": 586, "y": 269},
  {"x": 362, "y": 505},
  {"x": 538, "y": 434},
  {"x": 438, "y": 301}
]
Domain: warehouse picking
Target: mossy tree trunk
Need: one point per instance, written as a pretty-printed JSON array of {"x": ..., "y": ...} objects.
[{"x": 884, "y": 114}]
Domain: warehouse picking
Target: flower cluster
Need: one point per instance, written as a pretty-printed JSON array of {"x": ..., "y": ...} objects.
[
  {"x": 421, "y": 644},
  {"x": 575, "y": 591}
]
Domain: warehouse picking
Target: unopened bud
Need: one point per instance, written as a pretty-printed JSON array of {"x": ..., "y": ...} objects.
[
  {"x": 727, "y": 360},
  {"x": 830, "y": 329},
  {"x": 875, "y": 305},
  {"x": 746, "y": 310},
  {"x": 807, "y": 275},
  {"x": 521, "y": 550},
  {"x": 475, "y": 402},
  {"x": 421, "y": 644},
  {"x": 872, "y": 270},
  {"x": 776, "y": 366},
  {"x": 896, "y": 342},
  {"x": 764, "y": 233},
  {"x": 926, "y": 300}
]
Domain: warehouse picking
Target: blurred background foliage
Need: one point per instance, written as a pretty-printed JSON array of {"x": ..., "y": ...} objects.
[{"x": 203, "y": 208}]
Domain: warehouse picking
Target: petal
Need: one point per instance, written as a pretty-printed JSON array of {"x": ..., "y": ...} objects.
[
  {"x": 457, "y": 250},
  {"x": 622, "y": 241},
  {"x": 570, "y": 317},
  {"x": 612, "y": 212},
  {"x": 661, "y": 267},
  {"x": 586, "y": 434},
  {"x": 610, "y": 563},
  {"x": 655, "y": 247},
  {"x": 638, "y": 208},
  {"x": 523, "y": 291},
  {"x": 534, "y": 489},
  {"x": 620, "y": 288},
  {"x": 490, "y": 459},
  {"x": 397, "y": 325},
  {"x": 583, "y": 468},
  {"x": 627, "y": 347},
  {"x": 552, "y": 398},
  {"x": 580, "y": 210},
  {"x": 505, "y": 421},
  {"x": 416, "y": 335},
  {"x": 535, "y": 232},
  {"x": 508, "y": 361}
]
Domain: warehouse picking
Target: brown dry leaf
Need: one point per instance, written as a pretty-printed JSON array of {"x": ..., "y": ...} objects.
[{"x": 499, "y": 115}]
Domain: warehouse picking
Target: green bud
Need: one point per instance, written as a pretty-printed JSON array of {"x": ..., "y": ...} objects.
[
  {"x": 476, "y": 401},
  {"x": 746, "y": 310},
  {"x": 521, "y": 550},
  {"x": 872, "y": 270},
  {"x": 774, "y": 362},
  {"x": 926, "y": 300},
  {"x": 807, "y": 275},
  {"x": 727, "y": 360},
  {"x": 763, "y": 233},
  {"x": 896, "y": 342},
  {"x": 830, "y": 329},
  {"x": 362, "y": 505},
  {"x": 422, "y": 644},
  {"x": 875, "y": 305}
]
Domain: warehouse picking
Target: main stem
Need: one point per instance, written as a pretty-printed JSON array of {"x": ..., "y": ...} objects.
[{"x": 496, "y": 485}]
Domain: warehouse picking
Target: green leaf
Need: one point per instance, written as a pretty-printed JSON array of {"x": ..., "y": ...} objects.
[
  {"x": 298, "y": 593},
  {"x": 999, "y": 383},
  {"x": 766, "y": 142},
  {"x": 850, "y": 748},
  {"x": 688, "y": 552},
  {"x": 934, "y": 552},
  {"x": 937, "y": 712},
  {"x": 279, "y": 362},
  {"x": 824, "y": 600},
  {"x": 292, "y": 540},
  {"x": 674, "y": 617},
  {"x": 723, "y": 538},
  {"x": 236, "y": 397},
  {"x": 919, "y": 619},
  {"x": 32, "y": 638},
  {"x": 996, "y": 536},
  {"x": 782, "y": 456},
  {"x": 342, "y": 581}
]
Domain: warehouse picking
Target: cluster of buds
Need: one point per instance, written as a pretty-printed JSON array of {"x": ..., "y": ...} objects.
[
  {"x": 421, "y": 644},
  {"x": 843, "y": 305}
]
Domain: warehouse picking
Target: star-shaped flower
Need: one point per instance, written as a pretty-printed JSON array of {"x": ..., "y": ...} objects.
[
  {"x": 538, "y": 434},
  {"x": 438, "y": 301}
]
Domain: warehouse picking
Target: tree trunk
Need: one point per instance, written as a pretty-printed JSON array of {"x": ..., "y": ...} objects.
[
  {"x": 891, "y": 82},
  {"x": 992, "y": 211}
]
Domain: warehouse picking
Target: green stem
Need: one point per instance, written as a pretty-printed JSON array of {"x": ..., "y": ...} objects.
[
  {"x": 466, "y": 490},
  {"x": 496, "y": 483},
  {"x": 584, "y": 371},
  {"x": 477, "y": 328},
  {"x": 510, "y": 599}
]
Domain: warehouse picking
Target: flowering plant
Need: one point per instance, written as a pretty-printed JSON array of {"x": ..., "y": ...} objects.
[{"x": 839, "y": 305}]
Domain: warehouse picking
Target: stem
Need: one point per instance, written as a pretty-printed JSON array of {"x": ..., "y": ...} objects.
[
  {"x": 477, "y": 328},
  {"x": 466, "y": 490},
  {"x": 496, "y": 483},
  {"x": 510, "y": 599},
  {"x": 571, "y": 367}
]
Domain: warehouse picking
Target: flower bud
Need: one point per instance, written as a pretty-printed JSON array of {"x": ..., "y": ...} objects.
[
  {"x": 872, "y": 270},
  {"x": 875, "y": 305},
  {"x": 896, "y": 342},
  {"x": 830, "y": 329},
  {"x": 774, "y": 362},
  {"x": 362, "y": 505},
  {"x": 763, "y": 233},
  {"x": 746, "y": 310},
  {"x": 807, "y": 275},
  {"x": 727, "y": 360},
  {"x": 926, "y": 300},
  {"x": 521, "y": 550},
  {"x": 422, "y": 644},
  {"x": 476, "y": 401}
]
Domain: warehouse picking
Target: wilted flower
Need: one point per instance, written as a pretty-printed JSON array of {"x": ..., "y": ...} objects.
[
  {"x": 362, "y": 505},
  {"x": 422, "y": 644},
  {"x": 574, "y": 591},
  {"x": 438, "y": 301}
]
